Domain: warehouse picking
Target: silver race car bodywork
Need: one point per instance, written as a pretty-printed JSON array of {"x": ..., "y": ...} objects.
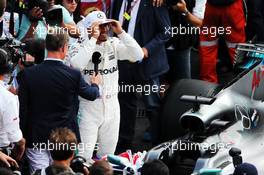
[{"x": 232, "y": 118}]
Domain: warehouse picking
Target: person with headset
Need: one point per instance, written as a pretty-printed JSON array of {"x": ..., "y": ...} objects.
[{"x": 10, "y": 134}]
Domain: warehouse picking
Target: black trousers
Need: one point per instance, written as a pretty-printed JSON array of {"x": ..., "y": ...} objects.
[{"x": 128, "y": 104}]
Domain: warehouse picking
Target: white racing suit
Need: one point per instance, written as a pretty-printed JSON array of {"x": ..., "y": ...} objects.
[{"x": 100, "y": 119}]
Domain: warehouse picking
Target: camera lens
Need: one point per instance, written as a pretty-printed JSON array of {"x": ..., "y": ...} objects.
[{"x": 78, "y": 164}]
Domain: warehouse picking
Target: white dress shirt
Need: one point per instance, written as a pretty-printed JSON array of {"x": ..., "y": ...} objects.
[
  {"x": 133, "y": 14},
  {"x": 9, "y": 117},
  {"x": 53, "y": 59}
]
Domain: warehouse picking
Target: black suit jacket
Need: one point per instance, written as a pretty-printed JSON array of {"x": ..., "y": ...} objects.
[
  {"x": 255, "y": 21},
  {"x": 48, "y": 95},
  {"x": 150, "y": 32}
]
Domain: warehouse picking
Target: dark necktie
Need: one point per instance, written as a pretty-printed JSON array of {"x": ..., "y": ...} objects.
[
  {"x": 1, "y": 28},
  {"x": 126, "y": 22},
  {"x": 11, "y": 24}
]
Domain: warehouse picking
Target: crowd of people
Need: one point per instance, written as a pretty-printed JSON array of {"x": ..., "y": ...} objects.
[{"x": 77, "y": 76}]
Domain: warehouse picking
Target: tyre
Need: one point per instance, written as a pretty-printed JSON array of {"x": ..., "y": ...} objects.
[{"x": 173, "y": 108}]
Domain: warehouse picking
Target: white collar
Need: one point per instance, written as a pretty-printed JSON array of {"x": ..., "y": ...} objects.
[{"x": 53, "y": 59}]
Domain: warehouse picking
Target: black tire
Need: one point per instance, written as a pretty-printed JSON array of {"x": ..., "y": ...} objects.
[{"x": 173, "y": 108}]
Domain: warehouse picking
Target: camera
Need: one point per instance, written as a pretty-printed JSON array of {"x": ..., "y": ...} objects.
[
  {"x": 14, "y": 48},
  {"x": 78, "y": 164},
  {"x": 54, "y": 17}
]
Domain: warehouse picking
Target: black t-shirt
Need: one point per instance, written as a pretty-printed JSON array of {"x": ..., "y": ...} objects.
[{"x": 220, "y": 2}]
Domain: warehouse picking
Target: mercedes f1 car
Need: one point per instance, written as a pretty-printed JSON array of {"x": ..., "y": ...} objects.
[{"x": 216, "y": 127}]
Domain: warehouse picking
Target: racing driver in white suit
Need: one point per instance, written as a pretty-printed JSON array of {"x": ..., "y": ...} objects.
[{"x": 99, "y": 120}]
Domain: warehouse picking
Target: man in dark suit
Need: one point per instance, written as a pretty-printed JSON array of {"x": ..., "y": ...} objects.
[
  {"x": 147, "y": 24},
  {"x": 48, "y": 95}
]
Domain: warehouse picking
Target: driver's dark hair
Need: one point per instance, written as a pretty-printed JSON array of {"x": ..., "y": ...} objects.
[{"x": 155, "y": 167}]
